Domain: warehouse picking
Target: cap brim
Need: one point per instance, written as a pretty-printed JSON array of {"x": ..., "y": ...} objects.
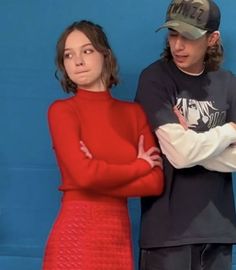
[{"x": 186, "y": 30}]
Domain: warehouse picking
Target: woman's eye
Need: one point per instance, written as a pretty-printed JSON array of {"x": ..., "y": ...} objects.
[
  {"x": 88, "y": 51},
  {"x": 67, "y": 55}
]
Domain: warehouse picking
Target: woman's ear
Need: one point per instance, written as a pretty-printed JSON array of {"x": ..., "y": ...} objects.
[{"x": 213, "y": 38}]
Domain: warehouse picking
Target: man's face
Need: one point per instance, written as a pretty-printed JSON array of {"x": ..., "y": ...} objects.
[{"x": 188, "y": 54}]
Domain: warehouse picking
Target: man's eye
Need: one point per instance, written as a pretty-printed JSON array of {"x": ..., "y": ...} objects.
[{"x": 171, "y": 34}]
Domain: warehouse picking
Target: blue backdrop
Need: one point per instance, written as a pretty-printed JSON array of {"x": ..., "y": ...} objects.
[{"x": 29, "y": 178}]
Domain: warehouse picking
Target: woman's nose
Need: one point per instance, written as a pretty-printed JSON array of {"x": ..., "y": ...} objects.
[{"x": 79, "y": 61}]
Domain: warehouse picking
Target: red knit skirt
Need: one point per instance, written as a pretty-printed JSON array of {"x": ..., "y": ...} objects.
[{"x": 90, "y": 236}]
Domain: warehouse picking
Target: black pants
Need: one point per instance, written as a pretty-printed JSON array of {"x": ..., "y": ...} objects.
[{"x": 188, "y": 257}]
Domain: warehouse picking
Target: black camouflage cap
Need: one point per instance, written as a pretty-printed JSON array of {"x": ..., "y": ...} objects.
[{"x": 192, "y": 18}]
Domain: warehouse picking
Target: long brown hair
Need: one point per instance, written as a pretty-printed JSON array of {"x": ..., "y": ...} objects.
[
  {"x": 213, "y": 58},
  {"x": 96, "y": 35}
]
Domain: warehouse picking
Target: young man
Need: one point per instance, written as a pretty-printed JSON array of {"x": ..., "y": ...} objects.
[{"x": 191, "y": 105}]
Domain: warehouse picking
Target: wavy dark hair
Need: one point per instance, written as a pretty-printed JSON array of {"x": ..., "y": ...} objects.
[
  {"x": 213, "y": 58},
  {"x": 96, "y": 35}
]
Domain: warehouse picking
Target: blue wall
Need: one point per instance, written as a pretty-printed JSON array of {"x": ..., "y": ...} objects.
[{"x": 28, "y": 175}]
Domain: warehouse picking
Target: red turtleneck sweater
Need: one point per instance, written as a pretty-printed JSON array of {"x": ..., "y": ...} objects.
[{"x": 110, "y": 129}]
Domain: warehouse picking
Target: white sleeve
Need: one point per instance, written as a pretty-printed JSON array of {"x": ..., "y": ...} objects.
[
  {"x": 187, "y": 148},
  {"x": 224, "y": 162}
]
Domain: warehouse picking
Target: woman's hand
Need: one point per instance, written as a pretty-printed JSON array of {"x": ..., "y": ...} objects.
[
  {"x": 152, "y": 155},
  {"x": 85, "y": 150},
  {"x": 181, "y": 118}
]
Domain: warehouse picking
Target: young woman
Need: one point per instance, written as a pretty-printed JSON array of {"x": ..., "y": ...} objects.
[{"x": 105, "y": 152}]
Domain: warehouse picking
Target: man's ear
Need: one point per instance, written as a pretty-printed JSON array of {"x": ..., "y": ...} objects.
[{"x": 213, "y": 38}]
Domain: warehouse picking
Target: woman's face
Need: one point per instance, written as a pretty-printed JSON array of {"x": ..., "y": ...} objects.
[{"x": 83, "y": 63}]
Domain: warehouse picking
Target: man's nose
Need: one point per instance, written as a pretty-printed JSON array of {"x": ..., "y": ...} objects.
[{"x": 179, "y": 43}]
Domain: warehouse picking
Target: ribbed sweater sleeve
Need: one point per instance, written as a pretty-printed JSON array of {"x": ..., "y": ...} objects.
[
  {"x": 84, "y": 172},
  {"x": 150, "y": 184}
]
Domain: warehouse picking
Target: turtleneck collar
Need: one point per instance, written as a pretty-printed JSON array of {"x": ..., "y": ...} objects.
[{"x": 91, "y": 95}]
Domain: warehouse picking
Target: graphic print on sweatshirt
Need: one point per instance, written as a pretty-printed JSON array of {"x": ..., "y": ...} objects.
[{"x": 200, "y": 115}]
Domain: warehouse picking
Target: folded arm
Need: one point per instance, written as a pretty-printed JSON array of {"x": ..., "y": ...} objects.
[
  {"x": 149, "y": 185},
  {"x": 84, "y": 172},
  {"x": 187, "y": 148},
  {"x": 223, "y": 162}
]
